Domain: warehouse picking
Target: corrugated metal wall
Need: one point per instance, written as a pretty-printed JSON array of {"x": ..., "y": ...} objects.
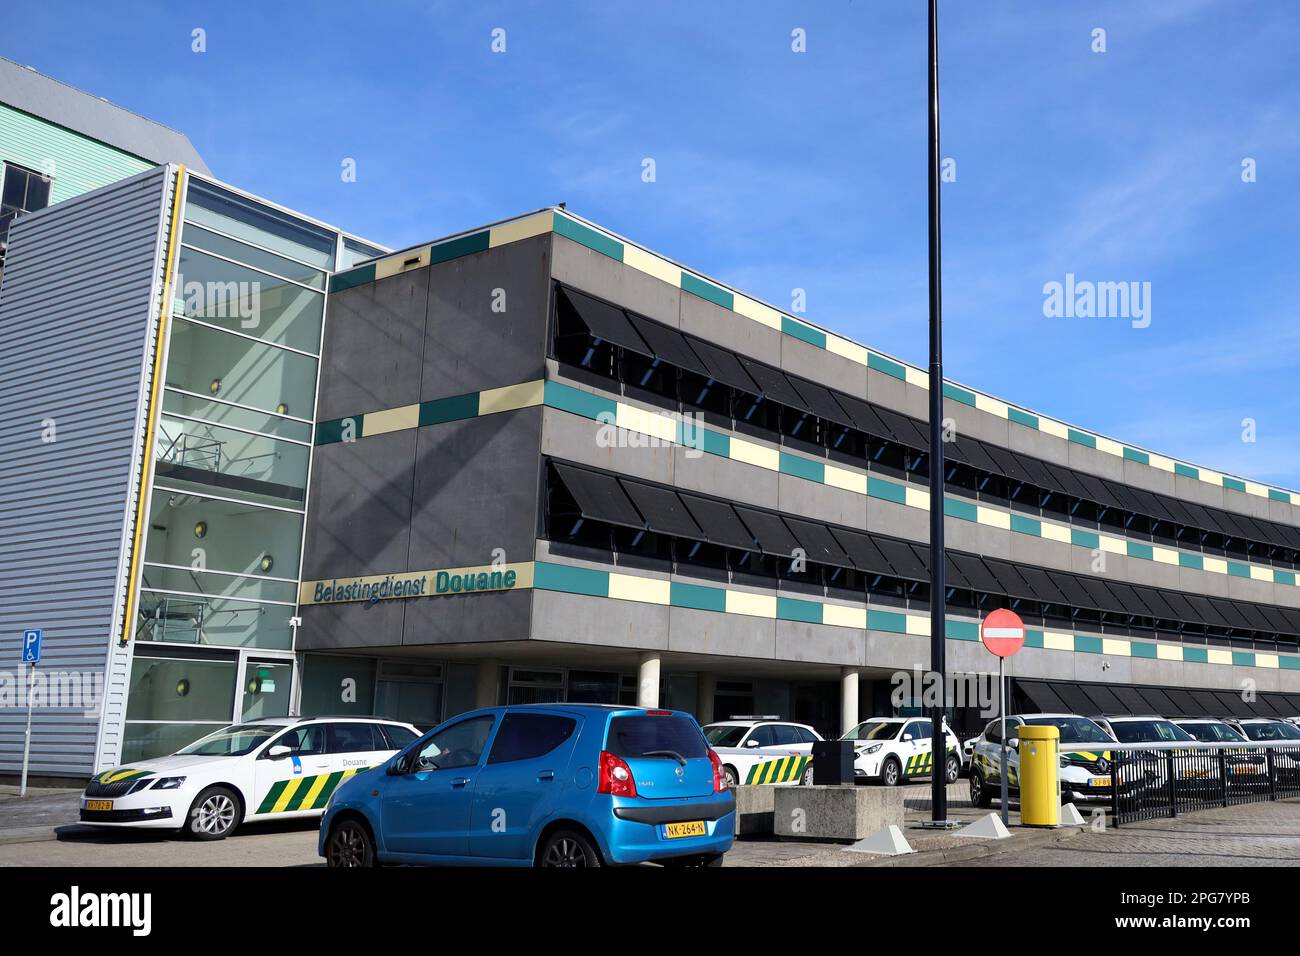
[
  {"x": 78, "y": 310},
  {"x": 79, "y": 164}
]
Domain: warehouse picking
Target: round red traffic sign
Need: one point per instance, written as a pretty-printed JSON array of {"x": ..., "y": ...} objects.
[{"x": 1002, "y": 632}]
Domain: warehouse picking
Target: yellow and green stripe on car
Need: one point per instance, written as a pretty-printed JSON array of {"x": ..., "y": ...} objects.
[
  {"x": 120, "y": 774},
  {"x": 304, "y": 793},
  {"x": 784, "y": 770}
]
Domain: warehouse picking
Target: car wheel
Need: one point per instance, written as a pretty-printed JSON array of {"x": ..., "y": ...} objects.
[
  {"x": 890, "y": 771},
  {"x": 733, "y": 779},
  {"x": 807, "y": 778},
  {"x": 979, "y": 794},
  {"x": 349, "y": 845},
  {"x": 567, "y": 849},
  {"x": 952, "y": 769},
  {"x": 213, "y": 815}
]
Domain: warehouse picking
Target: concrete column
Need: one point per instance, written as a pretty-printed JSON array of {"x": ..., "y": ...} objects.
[
  {"x": 647, "y": 680},
  {"x": 485, "y": 689},
  {"x": 848, "y": 698},
  {"x": 706, "y": 685}
]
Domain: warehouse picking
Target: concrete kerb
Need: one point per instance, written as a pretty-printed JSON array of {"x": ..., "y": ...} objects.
[{"x": 978, "y": 849}]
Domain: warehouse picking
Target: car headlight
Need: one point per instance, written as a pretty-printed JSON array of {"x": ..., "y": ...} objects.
[
  {"x": 1065, "y": 762},
  {"x": 169, "y": 783},
  {"x": 873, "y": 748}
]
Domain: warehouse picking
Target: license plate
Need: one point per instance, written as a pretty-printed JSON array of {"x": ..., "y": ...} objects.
[
  {"x": 1241, "y": 769},
  {"x": 99, "y": 804},
  {"x": 1099, "y": 782},
  {"x": 675, "y": 831}
]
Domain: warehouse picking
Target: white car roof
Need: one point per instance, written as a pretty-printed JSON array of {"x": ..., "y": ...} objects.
[
  {"x": 754, "y": 723},
  {"x": 295, "y": 721}
]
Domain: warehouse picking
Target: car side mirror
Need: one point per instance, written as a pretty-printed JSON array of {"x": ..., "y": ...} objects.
[
  {"x": 399, "y": 765},
  {"x": 279, "y": 752},
  {"x": 1014, "y": 742},
  {"x": 907, "y": 737},
  {"x": 751, "y": 743}
]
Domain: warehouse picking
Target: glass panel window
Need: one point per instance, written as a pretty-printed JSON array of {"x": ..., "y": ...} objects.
[
  {"x": 460, "y": 745},
  {"x": 355, "y": 252},
  {"x": 191, "y": 580},
  {"x": 261, "y": 225},
  {"x": 221, "y": 413},
  {"x": 175, "y": 690},
  {"x": 228, "y": 248},
  {"x": 353, "y": 738},
  {"x": 188, "y": 530},
  {"x": 143, "y": 741},
  {"x": 213, "y": 621},
  {"x": 233, "y": 369},
  {"x": 229, "y": 462},
  {"x": 244, "y": 300},
  {"x": 266, "y": 689},
  {"x": 337, "y": 685}
]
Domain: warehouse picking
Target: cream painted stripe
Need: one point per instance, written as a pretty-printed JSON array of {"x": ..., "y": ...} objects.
[
  {"x": 990, "y": 405},
  {"x": 510, "y": 397},
  {"x": 1160, "y": 462},
  {"x": 916, "y": 624},
  {"x": 1058, "y": 641},
  {"x": 1113, "y": 545},
  {"x": 753, "y": 454},
  {"x": 848, "y": 480},
  {"x": 846, "y": 349},
  {"x": 1219, "y": 656},
  {"x": 993, "y": 517},
  {"x": 1055, "y": 532},
  {"x": 402, "y": 262},
  {"x": 1261, "y": 574},
  {"x": 841, "y": 616},
  {"x": 652, "y": 265},
  {"x": 537, "y": 225},
  {"x": 1116, "y": 647},
  {"x": 1253, "y": 488},
  {"x": 916, "y": 377},
  {"x": 916, "y": 498},
  {"x": 1109, "y": 447},
  {"x": 1212, "y": 477},
  {"x": 1165, "y": 555},
  {"x": 1169, "y": 652},
  {"x": 752, "y": 605},
  {"x": 627, "y": 587},
  {"x": 658, "y": 424},
  {"x": 391, "y": 420},
  {"x": 756, "y": 311},
  {"x": 1267, "y": 660},
  {"x": 1053, "y": 428},
  {"x": 1217, "y": 565}
]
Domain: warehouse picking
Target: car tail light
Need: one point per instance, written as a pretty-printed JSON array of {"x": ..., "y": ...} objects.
[
  {"x": 719, "y": 775},
  {"x": 615, "y": 776}
]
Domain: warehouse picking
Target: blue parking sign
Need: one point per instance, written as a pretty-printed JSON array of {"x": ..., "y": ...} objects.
[{"x": 32, "y": 645}]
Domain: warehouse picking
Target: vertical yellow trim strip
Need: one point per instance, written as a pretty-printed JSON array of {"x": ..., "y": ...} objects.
[{"x": 146, "y": 466}]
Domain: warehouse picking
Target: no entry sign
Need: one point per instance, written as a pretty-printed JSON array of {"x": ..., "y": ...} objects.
[{"x": 1002, "y": 632}]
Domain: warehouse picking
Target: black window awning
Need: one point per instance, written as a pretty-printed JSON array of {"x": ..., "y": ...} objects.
[
  {"x": 1103, "y": 699},
  {"x": 818, "y": 543},
  {"x": 1186, "y": 704},
  {"x": 772, "y": 534},
  {"x": 668, "y": 345},
  {"x": 1159, "y": 701},
  {"x": 902, "y": 558},
  {"x": 1263, "y": 706},
  {"x": 1042, "y": 696},
  {"x": 1134, "y": 703},
  {"x": 1041, "y": 587},
  {"x": 603, "y": 320},
  {"x": 1076, "y": 701},
  {"x": 976, "y": 572},
  {"x": 863, "y": 416},
  {"x": 905, "y": 429},
  {"x": 1233, "y": 704},
  {"x": 1070, "y": 587},
  {"x": 1206, "y": 611},
  {"x": 820, "y": 401},
  {"x": 719, "y": 522},
  {"x": 723, "y": 366},
  {"x": 599, "y": 496},
  {"x": 1010, "y": 581},
  {"x": 662, "y": 509},
  {"x": 773, "y": 384},
  {"x": 862, "y": 551},
  {"x": 1210, "y": 705}
]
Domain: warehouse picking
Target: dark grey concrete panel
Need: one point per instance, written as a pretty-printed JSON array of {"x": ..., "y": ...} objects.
[
  {"x": 475, "y": 489},
  {"x": 825, "y": 368},
  {"x": 594, "y": 272},
  {"x": 468, "y": 618},
  {"x": 1153, "y": 479},
  {"x": 807, "y": 499},
  {"x": 896, "y": 394},
  {"x": 374, "y": 346},
  {"x": 1029, "y": 441},
  {"x": 898, "y": 521},
  {"x": 359, "y": 516},
  {"x": 1096, "y": 462},
  {"x": 353, "y": 625},
  {"x": 723, "y": 635},
  {"x": 820, "y": 644},
  {"x": 723, "y": 327},
  {"x": 577, "y": 439},
  {"x": 724, "y": 478},
  {"x": 469, "y": 347},
  {"x": 579, "y": 619}
]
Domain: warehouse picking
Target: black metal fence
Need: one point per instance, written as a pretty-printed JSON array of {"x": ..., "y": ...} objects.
[{"x": 1164, "y": 780}]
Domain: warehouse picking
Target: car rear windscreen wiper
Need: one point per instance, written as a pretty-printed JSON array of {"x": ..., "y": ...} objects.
[{"x": 666, "y": 753}]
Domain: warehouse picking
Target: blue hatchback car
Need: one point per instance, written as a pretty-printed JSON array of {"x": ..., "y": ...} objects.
[{"x": 540, "y": 785}]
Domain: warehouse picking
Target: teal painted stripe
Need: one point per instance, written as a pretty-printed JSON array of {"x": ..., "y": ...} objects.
[
  {"x": 1138, "y": 550},
  {"x": 460, "y": 246},
  {"x": 327, "y": 433},
  {"x": 352, "y": 278},
  {"x": 1243, "y": 658},
  {"x": 569, "y": 399},
  {"x": 1033, "y": 638},
  {"x": 1023, "y": 525},
  {"x": 705, "y": 439},
  {"x": 1081, "y": 438},
  {"x": 804, "y": 332},
  {"x": 1276, "y": 495},
  {"x": 1087, "y": 645},
  {"x": 1187, "y": 471},
  {"x": 697, "y": 597},
  {"x": 793, "y": 609},
  {"x": 1186, "y": 560},
  {"x": 452, "y": 409},
  {"x": 1238, "y": 570},
  {"x": 1143, "y": 649},
  {"x": 1289, "y": 663},
  {"x": 955, "y": 508},
  {"x": 588, "y": 237},
  {"x": 1085, "y": 539},
  {"x": 959, "y": 630},
  {"x": 1022, "y": 418},
  {"x": 707, "y": 290},
  {"x": 886, "y": 490},
  {"x": 1132, "y": 454},
  {"x": 891, "y": 621},
  {"x": 1233, "y": 484},
  {"x": 571, "y": 580},
  {"x": 1283, "y": 577},
  {"x": 888, "y": 366},
  {"x": 803, "y": 468},
  {"x": 958, "y": 394},
  {"x": 1196, "y": 655}
]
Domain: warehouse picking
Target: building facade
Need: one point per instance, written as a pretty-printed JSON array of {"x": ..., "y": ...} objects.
[{"x": 262, "y": 467}]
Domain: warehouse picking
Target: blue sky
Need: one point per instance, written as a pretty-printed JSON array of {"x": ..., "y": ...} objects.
[{"x": 777, "y": 170}]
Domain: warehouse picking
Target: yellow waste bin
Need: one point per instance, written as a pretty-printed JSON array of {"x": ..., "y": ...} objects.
[{"x": 1040, "y": 776}]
